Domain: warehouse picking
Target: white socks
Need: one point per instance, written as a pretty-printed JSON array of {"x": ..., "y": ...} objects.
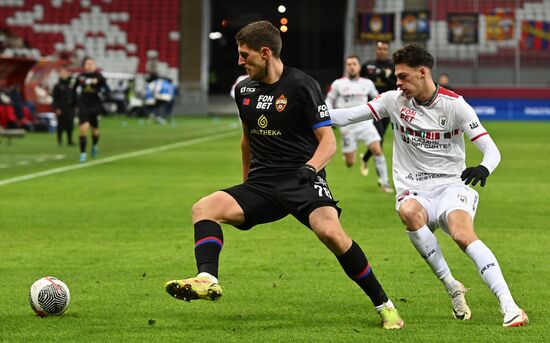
[
  {"x": 382, "y": 169},
  {"x": 387, "y": 304},
  {"x": 214, "y": 279},
  {"x": 426, "y": 243},
  {"x": 489, "y": 270}
]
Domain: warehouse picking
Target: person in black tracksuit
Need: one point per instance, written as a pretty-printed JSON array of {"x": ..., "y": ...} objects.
[
  {"x": 90, "y": 88},
  {"x": 63, "y": 104},
  {"x": 380, "y": 71},
  {"x": 286, "y": 143}
]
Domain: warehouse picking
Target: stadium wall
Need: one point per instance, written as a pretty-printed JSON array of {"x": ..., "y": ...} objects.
[{"x": 508, "y": 103}]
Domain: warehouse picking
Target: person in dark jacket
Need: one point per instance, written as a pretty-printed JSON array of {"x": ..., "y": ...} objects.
[{"x": 63, "y": 104}]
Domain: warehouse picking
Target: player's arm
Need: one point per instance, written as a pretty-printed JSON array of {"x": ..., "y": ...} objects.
[
  {"x": 346, "y": 116},
  {"x": 326, "y": 148},
  {"x": 245, "y": 152},
  {"x": 480, "y": 137}
]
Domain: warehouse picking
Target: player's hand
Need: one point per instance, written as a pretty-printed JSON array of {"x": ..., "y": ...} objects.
[
  {"x": 475, "y": 175},
  {"x": 306, "y": 173}
]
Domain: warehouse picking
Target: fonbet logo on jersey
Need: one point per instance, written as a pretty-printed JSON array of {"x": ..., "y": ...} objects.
[
  {"x": 323, "y": 111},
  {"x": 264, "y": 102},
  {"x": 407, "y": 114},
  {"x": 263, "y": 131}
]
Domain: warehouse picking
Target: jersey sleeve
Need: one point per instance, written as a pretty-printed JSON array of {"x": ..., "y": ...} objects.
[
  {"x": 373, "y": 93},
  {"x": 380, "y": 106},
  {"x": 469, "y": 122},
  {"x": 315, "y": 110},
  {"x": 332, "y": 95}
]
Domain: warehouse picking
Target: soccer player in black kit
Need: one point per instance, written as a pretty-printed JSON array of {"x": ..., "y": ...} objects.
[
  {"x": 90, "y": 87},
  {"x": 380, "y": 71},
  {"x": 287, "y": 141}
]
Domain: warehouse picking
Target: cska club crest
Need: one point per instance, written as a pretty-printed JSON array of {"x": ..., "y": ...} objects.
[{"x": 280, "y": 103}]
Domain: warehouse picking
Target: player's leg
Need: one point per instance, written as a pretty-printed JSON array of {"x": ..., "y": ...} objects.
[
  {"x": 416, "y": 218},
  {"x": 324, "y": 222},
  {"x": 349, "y": 145},
  {"x": 372, "y": 139},
  {"x": 94, "y": 123},
  {"x": 349, "y": 158},
  {"x": 207, "y": 213},
  {"x": 69, "y": 122},
  {"x": 381, "y": 167},
  {"x": 60, "y": 129},
  {"x": 461, "y": 228},
  {"x": 242, "y": 206},
  {"x": 381, "y": 126},
  {"x": 84, "y": 127}
]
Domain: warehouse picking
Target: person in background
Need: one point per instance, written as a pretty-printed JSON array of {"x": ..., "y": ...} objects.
[
  {"x": 90, "y": 89},
  {"x": 380, "y": 71},
  {"x": 63, "y": 104},
  {"x": 443, "y": 81},
  {"x": 349, "y": 91}
]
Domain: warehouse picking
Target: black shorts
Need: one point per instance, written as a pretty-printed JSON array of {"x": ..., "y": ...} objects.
[
  {"x": 267, "y": 199},
  {"x": 89, "y": 116}
]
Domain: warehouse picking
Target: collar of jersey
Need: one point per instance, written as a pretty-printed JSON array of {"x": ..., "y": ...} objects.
[
  {"x": 431, "y": 100},
  {"x": 285, "y": 70}
]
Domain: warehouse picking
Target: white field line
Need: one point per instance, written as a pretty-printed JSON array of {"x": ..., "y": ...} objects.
[{"x": 120, "y": 157}]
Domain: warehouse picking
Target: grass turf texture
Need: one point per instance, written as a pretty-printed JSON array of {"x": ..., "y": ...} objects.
[{"x": 116, "y": 232}]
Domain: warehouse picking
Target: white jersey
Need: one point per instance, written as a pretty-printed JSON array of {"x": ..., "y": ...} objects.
[
  {"x": 345, "y": 93},
  {"x": 428, "y": 149}
]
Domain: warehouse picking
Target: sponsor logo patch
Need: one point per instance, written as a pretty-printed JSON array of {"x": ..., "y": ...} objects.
[{"x": 281, "y": 103}]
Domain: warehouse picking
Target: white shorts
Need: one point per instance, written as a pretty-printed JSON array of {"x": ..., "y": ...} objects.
[
  {"x": 442, "y": 201},
  {"x": 363, "y": 131}
]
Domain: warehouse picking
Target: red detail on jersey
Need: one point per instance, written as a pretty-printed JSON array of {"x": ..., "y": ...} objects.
[
  {"x": 447, "y": 92},
  {"x": 407, "y": 114},
  {"x": 374, "y": 114},
  {"x": 480, "y": 135},
  {"x": 246, "y": 101}
]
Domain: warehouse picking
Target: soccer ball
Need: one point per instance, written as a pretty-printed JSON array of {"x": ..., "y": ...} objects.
[{"x": 49, "y": 296}]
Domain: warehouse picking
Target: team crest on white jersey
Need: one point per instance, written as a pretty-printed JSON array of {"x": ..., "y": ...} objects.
[
  {"x": 443, "y": 121},
  {"x": 280, "y": 103}
]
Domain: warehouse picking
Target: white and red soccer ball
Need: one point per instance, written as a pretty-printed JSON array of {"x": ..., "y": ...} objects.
[{"x": 49, "y": 296}]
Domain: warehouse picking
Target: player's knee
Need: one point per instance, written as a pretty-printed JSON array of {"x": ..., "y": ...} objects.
[
  {"x": 199, "y": 209},
  {"x": 411, "y": 215},
  {"x": 463, "y": 236}
]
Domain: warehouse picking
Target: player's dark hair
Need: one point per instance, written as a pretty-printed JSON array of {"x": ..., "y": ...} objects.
[
  {"x": 354, "y": 56},
  {"x": 85, "y": 59},
  {"x": 259, "y": 34},
  {"x": 414, "y": 56}
]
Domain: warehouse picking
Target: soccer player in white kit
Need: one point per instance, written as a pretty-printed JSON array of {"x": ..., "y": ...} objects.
[
  {"x": 430, "y": 174},
  {"x": 350, "y": 91}
]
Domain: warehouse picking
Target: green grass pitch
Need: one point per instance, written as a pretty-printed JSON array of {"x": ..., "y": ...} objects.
[{"x": 116, "y": 232}]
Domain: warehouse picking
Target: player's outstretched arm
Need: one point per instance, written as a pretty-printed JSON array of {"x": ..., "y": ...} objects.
[
  {"x": 491, "y": 159},
  {"x": 245, "y": 153},
  {"x": 346, "y": 116}
]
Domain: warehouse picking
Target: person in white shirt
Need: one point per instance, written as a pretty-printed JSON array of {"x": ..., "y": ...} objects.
[
  {"x": 430, "y": 173},
  {"x": 350, "y": 91}
]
